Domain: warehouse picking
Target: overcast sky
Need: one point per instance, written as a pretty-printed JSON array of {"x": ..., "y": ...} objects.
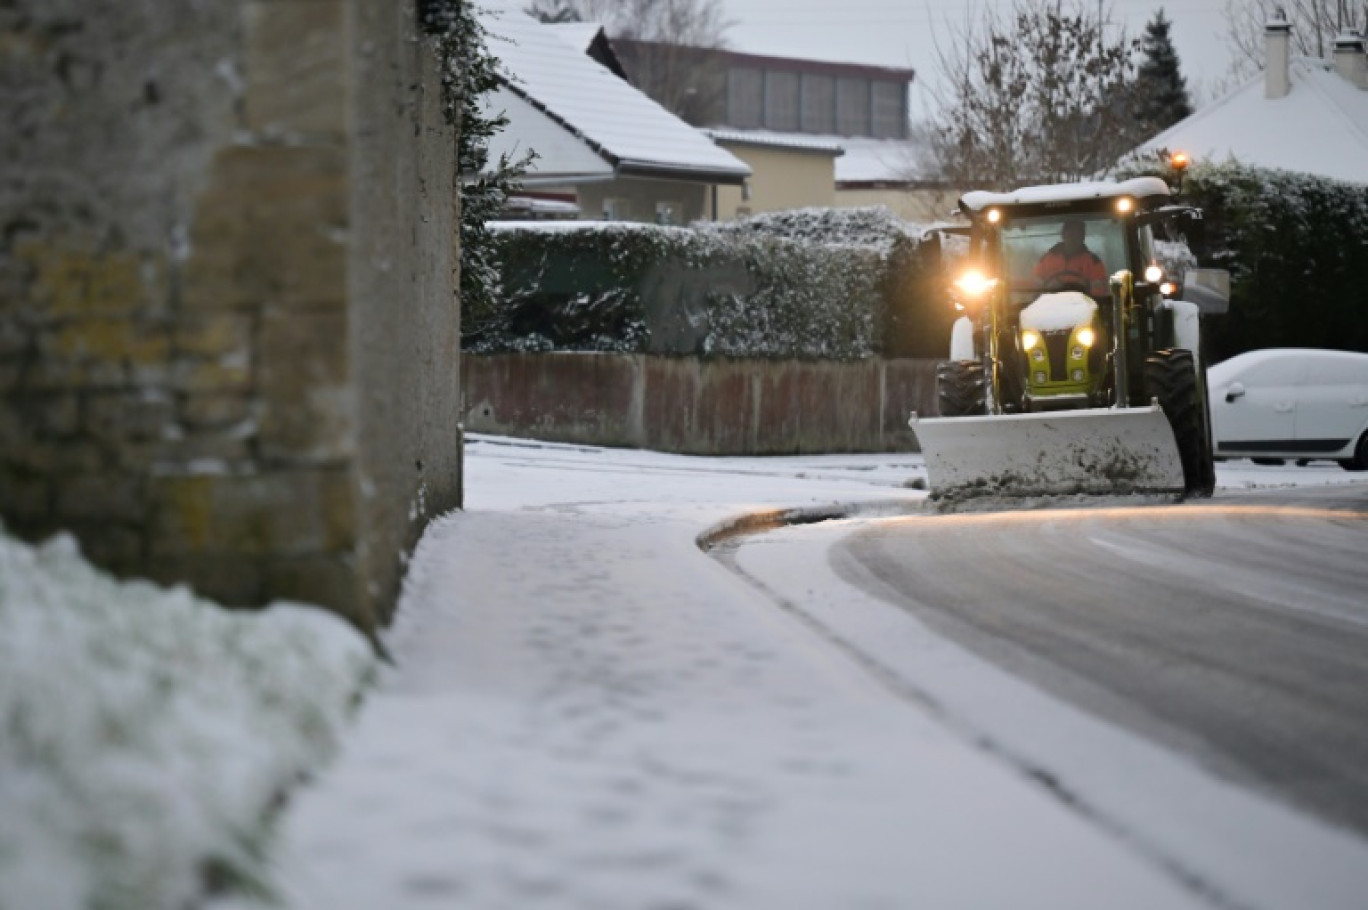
[{"x": 901, "y": 32}]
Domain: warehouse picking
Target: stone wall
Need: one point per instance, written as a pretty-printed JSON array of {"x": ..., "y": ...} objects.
[
  {"x": 227, "y": 324},
  {"x": 701, "y": 407}
]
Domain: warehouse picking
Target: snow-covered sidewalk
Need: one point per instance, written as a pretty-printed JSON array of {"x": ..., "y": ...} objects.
[{"x": 589, "y": 712}]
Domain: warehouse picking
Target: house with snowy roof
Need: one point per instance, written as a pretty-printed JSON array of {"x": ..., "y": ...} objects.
[
  {"x": 598, "y": 140},
  {"x": 814, "y": 132},
  {"x": 1302, "y": 114}
]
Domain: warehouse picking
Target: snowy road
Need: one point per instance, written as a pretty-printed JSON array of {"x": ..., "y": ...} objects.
[
  {"x": 1234, "y": 630},
  {"x": 589, "y": 712}
]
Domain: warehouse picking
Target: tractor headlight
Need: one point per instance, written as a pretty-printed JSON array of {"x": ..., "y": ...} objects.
[
  {"x": 1077, "y": 352},
  {"x": 974, "y": 284},
  {"x": 1086, "y": 337},
  {"x": 1030, "y": 340},
  {"x": 1040, "y": 377},
  {"x": 1077, "y": 375},
  {"x": 1154, "y": 274}
]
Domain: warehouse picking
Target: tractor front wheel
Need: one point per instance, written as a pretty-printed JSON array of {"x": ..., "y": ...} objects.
[
  {"x": 1171, "y": 377},
  {"x": 960, "y": 388}
]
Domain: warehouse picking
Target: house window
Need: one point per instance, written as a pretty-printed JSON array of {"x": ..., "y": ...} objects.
[
  {"x": 745, "y": 97},
  {"x": 888, "y": 100},
  {"x": 819, "y": 104},
  {"x": 668, "y": 212},
  {"x": 615, "y": 209},
  {"x": 852, "y": 107},
  {"x": 781, "y": 101}
]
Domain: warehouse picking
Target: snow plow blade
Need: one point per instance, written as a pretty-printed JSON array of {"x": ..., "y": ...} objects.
[{"x": 1098, "y": 451}]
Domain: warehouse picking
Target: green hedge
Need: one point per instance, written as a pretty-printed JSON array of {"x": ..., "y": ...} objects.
[
  {"x": 836, "y": 284},
  {"x": 1296, "y": 247}
]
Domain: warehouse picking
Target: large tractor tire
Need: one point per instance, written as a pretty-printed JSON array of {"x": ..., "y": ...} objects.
[
  {"x": 1171, "y": 377},
  {"x": 960, "y": 388}
]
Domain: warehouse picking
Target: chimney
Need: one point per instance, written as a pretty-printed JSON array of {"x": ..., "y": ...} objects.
[
  {"x": 1277, "y": 49},
  {"x": 1350, "y": 60}
]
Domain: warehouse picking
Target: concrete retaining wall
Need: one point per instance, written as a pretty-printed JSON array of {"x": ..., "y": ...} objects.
[
  {"x": 228, "y": 336},
  {"x": 705, "y": 407}
]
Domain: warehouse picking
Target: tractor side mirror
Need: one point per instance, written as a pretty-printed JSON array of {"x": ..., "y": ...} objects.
[{"x": 1209, "y": 289}]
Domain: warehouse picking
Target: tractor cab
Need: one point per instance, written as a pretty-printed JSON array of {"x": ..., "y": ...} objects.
[{"x": 1047, "y": 257}]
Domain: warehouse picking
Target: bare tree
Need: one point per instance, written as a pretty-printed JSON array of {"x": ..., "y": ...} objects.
[
  {"x": 553, "y": 11},
  {"x": 1040, "y": 94},
  {"x": 1315, "y": 23}
]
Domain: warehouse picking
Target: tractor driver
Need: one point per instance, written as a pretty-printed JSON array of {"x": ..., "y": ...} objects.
[{"x": 1070, "y": 264}]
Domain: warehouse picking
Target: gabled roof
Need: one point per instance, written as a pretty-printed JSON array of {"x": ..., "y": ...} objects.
[
  {"x": 1320, "y": 127},
  {"x": 796, "y": 142},
  {"x": 861, "y": 160},
  {"x": 590, "y": 38},
  {"x": 631, "y": 132}
]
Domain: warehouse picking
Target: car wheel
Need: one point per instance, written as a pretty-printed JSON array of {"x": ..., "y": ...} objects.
[{"x": 1360, "y": 460}]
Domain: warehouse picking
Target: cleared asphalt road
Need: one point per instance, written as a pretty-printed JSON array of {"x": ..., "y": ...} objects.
[{"x": 1235, "y": 629}]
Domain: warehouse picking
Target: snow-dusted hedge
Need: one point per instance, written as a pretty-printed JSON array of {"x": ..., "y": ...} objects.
[
  {"x": 1296, "y": 247},
  {"x": 814, "y": 284}
]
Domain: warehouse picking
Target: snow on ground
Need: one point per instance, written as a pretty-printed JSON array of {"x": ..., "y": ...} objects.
[
  {"x": 145, "y": 733},
  {"x": 588, "y": 712}
]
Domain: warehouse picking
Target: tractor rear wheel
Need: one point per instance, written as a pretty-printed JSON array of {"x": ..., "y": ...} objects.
[
  {"x": 1171, "y": 377},
  {"x": 960, "y": 388}
]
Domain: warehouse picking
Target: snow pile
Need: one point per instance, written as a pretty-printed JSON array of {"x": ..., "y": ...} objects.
[
  {"x": 146, "y": 734},
  {"x": 1059, "y": 312}
]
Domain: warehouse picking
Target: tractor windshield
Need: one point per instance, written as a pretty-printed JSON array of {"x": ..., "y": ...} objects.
[{"x": 1061, "y": 252}]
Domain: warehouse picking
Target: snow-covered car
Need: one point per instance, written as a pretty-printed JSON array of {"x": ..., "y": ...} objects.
[{"x": 1291, "y": 403}]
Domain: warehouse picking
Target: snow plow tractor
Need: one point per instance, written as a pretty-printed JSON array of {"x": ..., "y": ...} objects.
[{"x": 1072, "y": 367}]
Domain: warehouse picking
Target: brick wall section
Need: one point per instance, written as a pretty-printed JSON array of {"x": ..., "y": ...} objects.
[
  {"x": 226, "y": 292},
  {"x": 703, "y": 407}
]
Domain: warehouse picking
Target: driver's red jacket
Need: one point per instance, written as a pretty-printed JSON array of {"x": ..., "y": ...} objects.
[{"x": 1056, "y": 264}]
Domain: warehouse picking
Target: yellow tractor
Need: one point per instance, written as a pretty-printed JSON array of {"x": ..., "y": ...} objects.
[{"x": 1073, "y": 368}]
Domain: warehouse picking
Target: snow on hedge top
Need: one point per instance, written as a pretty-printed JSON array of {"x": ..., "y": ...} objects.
[
  {"x": 618, "y": 121},
  {"x": 1320, "y": 127},
  {"x": 1139, "y": 187},
  {"x": 871, "y": 226}
]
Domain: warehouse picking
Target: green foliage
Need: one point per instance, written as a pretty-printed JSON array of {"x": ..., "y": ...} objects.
[
  {"x": 468, "y": 73},
  {"x": 1296, "y": 246},
  {"x": 1161, "y": 91},
  {"x": 744, "y": 289}
]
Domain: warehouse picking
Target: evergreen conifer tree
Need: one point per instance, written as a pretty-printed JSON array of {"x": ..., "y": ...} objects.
[{"x": 1161, "y": 91}]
